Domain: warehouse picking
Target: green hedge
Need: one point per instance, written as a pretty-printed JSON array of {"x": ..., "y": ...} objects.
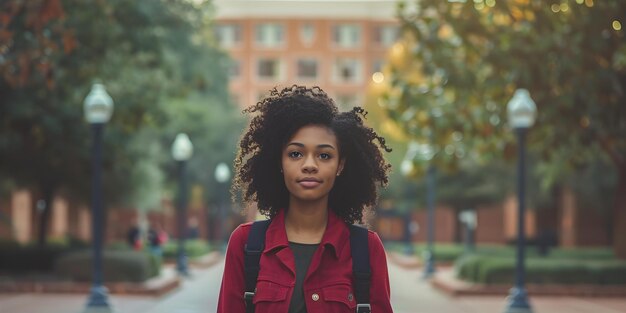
[
  {"x": 130, "y": 266},
  {"x": 500, "y": 270},
  {"x": 442, "y": 252},
  {"x": 119, "y": 245},
  {"x": 16, "y": 259},
  {"x": 452, "y": 252},
  {"x": 193, "y": 248},
  {"x": 582, "y": 253},
  {"x": 7, "y": 243}
]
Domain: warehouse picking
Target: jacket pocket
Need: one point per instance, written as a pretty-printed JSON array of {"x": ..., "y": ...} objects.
[
  {"x": 270, "y": 297},
  {"x": 339, "y": 298}
]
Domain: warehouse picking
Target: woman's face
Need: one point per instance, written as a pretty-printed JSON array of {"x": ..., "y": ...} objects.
[{"x": 310, "y": 163}]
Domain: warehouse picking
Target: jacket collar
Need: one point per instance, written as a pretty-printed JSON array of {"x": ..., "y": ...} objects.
[{"x": 335, "y": 236}]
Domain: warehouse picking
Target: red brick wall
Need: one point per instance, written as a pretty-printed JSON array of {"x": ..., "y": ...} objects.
[
  {"x": 568, "y": 220},
  {"x": 444, "y": 225},
  {"x": 390, "y": 228},
  {"x": 581, "y": 226},
  {"x": 591, "y": 228},
  {"x": 490, "y": 226},
  {"x": 119, "y": 221}
]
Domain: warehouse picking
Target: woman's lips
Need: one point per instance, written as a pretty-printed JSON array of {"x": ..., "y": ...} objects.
[{"x": 309, "y": 183}]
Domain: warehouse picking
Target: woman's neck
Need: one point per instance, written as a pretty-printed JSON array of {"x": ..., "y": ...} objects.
[{"x": 305, "y": 222}]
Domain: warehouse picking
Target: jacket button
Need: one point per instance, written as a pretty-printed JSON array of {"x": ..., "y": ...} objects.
[
  {"x": 350, "y": 297},
  {"x": 315, "y": 297}
]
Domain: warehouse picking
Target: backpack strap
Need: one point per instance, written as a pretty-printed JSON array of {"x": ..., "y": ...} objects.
[
  {"x": 361, "y": 267},
  {"x": 252, "y": 257}
]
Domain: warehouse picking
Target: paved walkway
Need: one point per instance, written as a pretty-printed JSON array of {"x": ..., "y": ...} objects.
[{"x": 199, "y": 294}]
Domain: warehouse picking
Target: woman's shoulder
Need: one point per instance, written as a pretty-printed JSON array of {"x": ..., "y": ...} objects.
[
  {"x": 374, "y": 242},
  {"x": 241, "y": 231}
]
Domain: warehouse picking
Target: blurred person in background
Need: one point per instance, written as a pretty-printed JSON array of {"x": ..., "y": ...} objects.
[{"x": 133, "y": 237}]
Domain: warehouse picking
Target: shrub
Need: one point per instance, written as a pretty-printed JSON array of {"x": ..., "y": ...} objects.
[
  {"x": 582, "y": 253},
  {"x": 155, "y": 264},
  {"x": 193, "y": 248},
  {"x": 130, "y": 266},
  {"x": 467, "y": 267},
  {"x": 119, "y": 245},
  {"x": 500, "y": 270},
  {"x": 442, "y": 252},
  {"x": 451, "y": 252},
  {"x": 610, "y": 272},
  {"x": 7, "y": 243},
  {"x": 17, "y": 259}
]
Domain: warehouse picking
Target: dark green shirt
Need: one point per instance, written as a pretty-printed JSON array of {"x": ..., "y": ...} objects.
[{"x": 303, "y": 253}]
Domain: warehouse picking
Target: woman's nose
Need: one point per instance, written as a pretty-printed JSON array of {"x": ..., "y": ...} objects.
[{"x": 309, "y": 165}]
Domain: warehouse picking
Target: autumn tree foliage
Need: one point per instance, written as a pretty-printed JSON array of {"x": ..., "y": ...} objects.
[
  {"x": 160, "y": 66},
  {"x": 459, "y": 62}
]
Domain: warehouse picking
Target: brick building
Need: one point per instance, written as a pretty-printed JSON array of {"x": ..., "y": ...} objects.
[{"x": 338, "y": 47}]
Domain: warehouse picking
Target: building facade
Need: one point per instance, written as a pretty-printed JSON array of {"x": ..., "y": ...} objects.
[{"x": 337, "y": 45}]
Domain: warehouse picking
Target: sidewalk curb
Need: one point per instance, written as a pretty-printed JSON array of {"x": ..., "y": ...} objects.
[
  {"x": 167, "y": 281},
  {"x": 446, "y": 282}
]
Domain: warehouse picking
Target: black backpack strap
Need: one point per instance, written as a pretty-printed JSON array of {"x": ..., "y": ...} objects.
[
  {"x": 361, "y": 267},
  {"x": 252, "y": 256}
]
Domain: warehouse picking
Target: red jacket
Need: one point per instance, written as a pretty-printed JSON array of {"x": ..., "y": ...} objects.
[{"x": 328, "y": 283}]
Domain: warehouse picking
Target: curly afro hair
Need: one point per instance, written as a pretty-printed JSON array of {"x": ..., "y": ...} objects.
[{"x": 276, "y": 119}]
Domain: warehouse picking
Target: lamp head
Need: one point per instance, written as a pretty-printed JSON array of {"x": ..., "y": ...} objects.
[
  {"x": 521, "y": 109},
  {"x": 182, "y": 148},
  {"x": 98, "y": 105},
  {"x": 222, "y": 173}
]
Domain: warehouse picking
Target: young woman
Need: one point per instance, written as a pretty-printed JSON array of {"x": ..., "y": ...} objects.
[{"x": 313, "y": 171}]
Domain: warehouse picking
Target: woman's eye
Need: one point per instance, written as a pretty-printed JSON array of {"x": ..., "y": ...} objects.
[
  {"x": 294, "y": 154},
  {"x": 325, "y": 156}
]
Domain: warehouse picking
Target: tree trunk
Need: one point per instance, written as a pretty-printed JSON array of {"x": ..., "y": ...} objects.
[
  {"x": 619, "y": 222},
  {"x": 47, "y": 192}
]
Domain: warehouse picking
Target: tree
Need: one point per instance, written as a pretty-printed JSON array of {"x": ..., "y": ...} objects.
[
  {"x": 53, "y": 50},
  {"x": 460, "y": 62}
]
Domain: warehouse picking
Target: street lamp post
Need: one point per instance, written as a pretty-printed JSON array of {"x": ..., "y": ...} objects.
[
  {"x": 182, "y": 149},
  {"x": 98, "y": 107},
  {"x": 522, "y": 111},
  {"x": 425, "y": 153},
  {"x": 222, "y": 175},
  {"x": 408, "y": 234},
  {"x": 429, "y": 267}
]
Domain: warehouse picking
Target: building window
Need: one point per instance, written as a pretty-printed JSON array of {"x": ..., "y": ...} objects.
[
  {"x": 228, "y": 35},
  {"x": 269, "y": 35},
  {"x": 307, "y": 33},
  {"x": 347, "y": 70},
  {"x": 307, "y": 68},
  {"x": 269, "y": 69},
  {"x": 385, "y": 35},
  {"x": 347, "y": 35},
  {"x": 234, "y": 69}
]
